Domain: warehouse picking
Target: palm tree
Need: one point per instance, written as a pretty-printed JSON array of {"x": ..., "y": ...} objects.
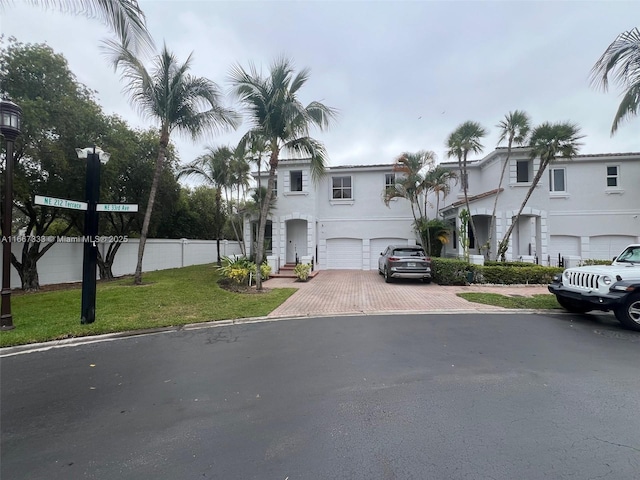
[
  {"x": 621, "y": 59},
  {"x": 173, "y": 98},
  {"x": 279, "y": 117},
  {"x": 412, "y": 186},
  {"x": 515, "y": 130},
  {"x": 439, "y": 181},
  {"x": 465, "y": 139},
  {"x": 214, "y": 167},
  {"x": 124, "y": 17},
  {"x": 548, "y": 142}
]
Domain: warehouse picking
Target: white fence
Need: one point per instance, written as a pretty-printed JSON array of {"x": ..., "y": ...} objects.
[{"x": 63, "y": 262}]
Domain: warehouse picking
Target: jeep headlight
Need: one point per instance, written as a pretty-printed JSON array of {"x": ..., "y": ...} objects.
[
  {"x": 565, "y": 274},
  {"x": 606, "y": 280}
]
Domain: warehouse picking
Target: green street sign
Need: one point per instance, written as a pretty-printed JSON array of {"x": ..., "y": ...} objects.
[
  {"x": 59, "y": 202},
  {"x": 117, "y": 207}
]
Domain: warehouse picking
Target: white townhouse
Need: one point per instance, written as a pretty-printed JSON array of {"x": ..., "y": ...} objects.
[
  {"x": 341, "y": 222},
  {"x": 588, "y": 207}
]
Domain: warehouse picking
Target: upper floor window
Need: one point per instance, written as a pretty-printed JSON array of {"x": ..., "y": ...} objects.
[
  {"x": 296, "y": 180},
  {"x": 557, "y": 180},
  {"x": 275, "y": 187},
  {"x": 524, "y": 171},
  {"x": 613, "y": 172},
  {"x": 464, "y": 180},
  {"x": 389, "y": 180},
  {"x": 341, "y": 188}
]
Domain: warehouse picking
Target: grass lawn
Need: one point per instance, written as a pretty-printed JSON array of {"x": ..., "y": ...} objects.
[
  {"x": 541, "y": 302},
  {"x": 168, "y": 297}
]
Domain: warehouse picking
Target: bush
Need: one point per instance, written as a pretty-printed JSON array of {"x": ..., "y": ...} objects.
[
  {"x": 595, "y": 262},
  {"x": 517, "y": 275},
  {"x": 237, "y": 270},
  {"x": 449, "y": 271},
  {"x": 302, "y": 271}
]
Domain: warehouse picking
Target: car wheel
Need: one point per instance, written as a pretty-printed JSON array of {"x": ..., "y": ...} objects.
[
  {"x": 387, "y": 278},
  {"x": 629, "y": 313},
  {"x": 573, "y": 306}
]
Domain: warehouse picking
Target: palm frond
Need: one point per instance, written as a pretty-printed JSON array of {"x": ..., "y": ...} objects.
[{"x": 124, "y": 17}]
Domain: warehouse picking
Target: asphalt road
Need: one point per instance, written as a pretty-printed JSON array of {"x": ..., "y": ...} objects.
[{"x": 376, "y": 397}]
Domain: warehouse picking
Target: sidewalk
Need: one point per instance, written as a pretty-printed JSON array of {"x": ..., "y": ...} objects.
[{"x": 340, "y": 292}]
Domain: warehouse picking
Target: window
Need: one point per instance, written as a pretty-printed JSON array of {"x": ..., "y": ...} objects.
[
  {"x": 557, "y": 180},
  {"x": 612, "y": 176},
  {"x": 296, "y": 180},
  {"x": 389, "y": 180},
  {"x": 464, "y": 181},
  {"x": 341, "y": 188},
  {"x": 275, "y": 187},
  {"x": 523, "y": 171}
]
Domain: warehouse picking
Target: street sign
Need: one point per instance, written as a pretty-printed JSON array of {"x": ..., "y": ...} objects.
[
  {"x": 59, "y": 202},
  {"x": 117, "y": 207}
]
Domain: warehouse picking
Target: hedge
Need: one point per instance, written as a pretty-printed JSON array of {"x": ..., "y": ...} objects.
[{"x": 450, "y": 271}]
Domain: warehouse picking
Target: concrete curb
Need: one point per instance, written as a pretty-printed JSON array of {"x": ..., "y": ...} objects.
[{"x": 109, "y": 337}]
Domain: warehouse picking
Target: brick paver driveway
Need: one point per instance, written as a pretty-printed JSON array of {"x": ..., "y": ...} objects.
[{"x": 342, "y": 292}]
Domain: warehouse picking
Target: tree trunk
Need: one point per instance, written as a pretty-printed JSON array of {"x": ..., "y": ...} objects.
[
  {"x": 465, "y": 187},
  {"x": 495, "y": 202},
  {"x": 164, "y": 141},
  {"x": 105, "y": 265},
  {"x": 264, "y": 211},
  {"x": 504, "y": 244},
  {"x": 28, "y": 268}
]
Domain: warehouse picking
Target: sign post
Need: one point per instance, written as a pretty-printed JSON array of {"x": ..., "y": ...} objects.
[{"x": 94, "y": 157}]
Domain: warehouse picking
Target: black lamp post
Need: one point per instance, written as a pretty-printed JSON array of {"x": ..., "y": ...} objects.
[
  {"x": 94, "y": 157},
  {"x": 10, "y": 120}
]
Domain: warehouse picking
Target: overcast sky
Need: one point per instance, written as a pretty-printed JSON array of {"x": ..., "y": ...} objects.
[{"x": 402, "y": 74}]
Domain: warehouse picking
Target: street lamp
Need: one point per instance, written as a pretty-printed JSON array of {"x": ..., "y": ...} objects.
[
  {"x": 95, "y": 156},
  {"x": 10, "y": 122}
]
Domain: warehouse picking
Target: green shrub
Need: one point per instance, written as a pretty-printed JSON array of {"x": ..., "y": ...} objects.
[
  {"x": 302, "y": 271},
  {"x": 595, "y": 262},
  {"x": 238, "y": 270},
  {"x": 450, "y": 271},
  {"x": 516, "y": 275}
]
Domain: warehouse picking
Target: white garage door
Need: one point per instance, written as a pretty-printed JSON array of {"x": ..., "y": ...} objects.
[
  {"x": 379, "y": 245},
  {"x": 563, "y": 245},
  {"x": 606, "y": 247},
  {"x": 344, "y": 253}
]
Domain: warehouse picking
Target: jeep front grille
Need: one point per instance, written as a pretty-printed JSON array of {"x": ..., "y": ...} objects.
[{"x": 583, "y": 280}]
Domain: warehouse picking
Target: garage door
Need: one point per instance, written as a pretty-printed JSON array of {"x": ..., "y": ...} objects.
[
  {"x": 605, "y": 247},
  {"x": 379, "y": 245},
  {"x": 344, "y": 253},
  {"x": 563, "y": 245}
]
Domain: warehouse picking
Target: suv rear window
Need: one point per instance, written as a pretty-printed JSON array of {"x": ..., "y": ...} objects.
[{"x": 408, "y": 252}]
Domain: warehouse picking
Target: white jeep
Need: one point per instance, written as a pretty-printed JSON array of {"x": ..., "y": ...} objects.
[{"x": 613, "y": 287}]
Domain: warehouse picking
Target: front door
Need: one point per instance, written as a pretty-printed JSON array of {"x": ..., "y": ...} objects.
[{"x": 296, "y": 239}]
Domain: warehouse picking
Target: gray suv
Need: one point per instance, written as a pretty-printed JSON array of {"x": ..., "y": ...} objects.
[{"x": 404, "y": 261}]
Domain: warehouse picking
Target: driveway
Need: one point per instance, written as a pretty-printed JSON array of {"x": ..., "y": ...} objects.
[{"x": 340, "y": 292}]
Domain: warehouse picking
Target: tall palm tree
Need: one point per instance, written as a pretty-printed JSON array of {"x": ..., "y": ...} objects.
[
  {"x": 173, "y": 98},
  {"x": 621, "y": 59},
  {"x": 465, "y": 139},
  {"x": 214, "y": 167},
  {"x": 277, "y": 115},
  {"x": 548, "y": 141},
  {"x": 515, "y": 130},
  {"x": 124, "y": 17}
]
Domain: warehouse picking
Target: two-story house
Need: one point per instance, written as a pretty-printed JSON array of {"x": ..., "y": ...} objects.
[
  {"x": 341, "y": 221},
  {"x": 588, "y": 206}
]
